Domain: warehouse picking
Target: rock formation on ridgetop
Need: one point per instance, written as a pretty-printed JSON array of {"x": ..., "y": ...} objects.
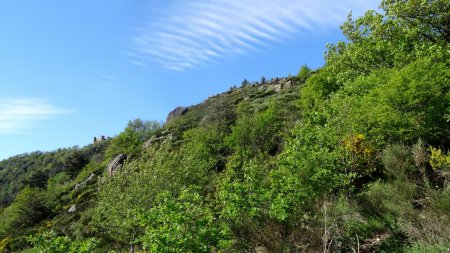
[{"x": 177, "y": 112}]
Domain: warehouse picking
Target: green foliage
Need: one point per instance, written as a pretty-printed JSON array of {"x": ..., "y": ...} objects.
[
  {"x": 419, "y": 247},
  {"x": 59, "y": 179},
  {"x": 407, "y": 30},
  {"x": 398, "y": 105},
  {"x": 244, "y": 83},
  {"x": 440, "y": 202},
  {"x": 243, "y": 192},
  {"x": 133, "y": 189},
  {"x": 393, "y": 198},
  {"x": 202, "y": 155},
  {"x": 304, "y": 73},
  {"x": 398, "y": 162},
  {"x": 318, "y": 88},
  {"x": 263, "y": 80},
  {"x": 28, "y": 208},
  {"x": 256, "y": 133},
  {"x": 48, "y": 242},
  {"x": 130, "y": 141},
  {"x": 180, "y": 224},
  {"x": 310, "y": 167},
  {"x": 75, "y": 162},
  {"x": 4, "y": 245},
  {"x": 439, "y": 160}
]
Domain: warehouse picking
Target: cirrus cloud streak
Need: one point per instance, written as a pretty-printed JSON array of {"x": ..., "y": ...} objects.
[
  {"x": 18, "y": 115},
  {"x": 193, "y": 34}
]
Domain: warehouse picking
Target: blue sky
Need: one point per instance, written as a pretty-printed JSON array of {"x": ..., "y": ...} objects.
[{"x": 72, "y": 70}]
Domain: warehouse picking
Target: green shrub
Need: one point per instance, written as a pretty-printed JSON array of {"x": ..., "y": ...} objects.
[
  {"x": 243, "y": 192},
  {"x": 392, "y": 198},
  {"x": 304, "y": 73},
  {"x": 180, "y": 224},
  {"x": 420, "y": 247},
  {"x": 398, "y": 162},
  {"x": 28, "y": 208},
  {"x": 48, "y": 242},
  {"x": 439, "y": 160},
  {"x": 130, "y": 141},
  {"x": 256, "y": 133},
  {"x": 402, "y": 104}
]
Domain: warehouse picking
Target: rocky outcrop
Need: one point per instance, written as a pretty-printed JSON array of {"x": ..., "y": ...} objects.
[
  {"x": 151, "y": 141},
  {"x": 261, "y": 249},
  {"x": 177, "y": 112},
  {"x": 82, "y": 184},
  {"x": 277, "y": 87},
  {"x": 165, "y": 136},
  {"x": 116, "y": 163}
]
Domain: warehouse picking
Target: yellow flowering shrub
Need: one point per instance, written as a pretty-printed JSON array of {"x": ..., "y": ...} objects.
[{"x": 438, "y": 159}]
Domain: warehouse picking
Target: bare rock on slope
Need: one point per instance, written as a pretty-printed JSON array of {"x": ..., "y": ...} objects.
[
  {"x": 116, "y": 163},
  {"x": 177, "y": 112}
]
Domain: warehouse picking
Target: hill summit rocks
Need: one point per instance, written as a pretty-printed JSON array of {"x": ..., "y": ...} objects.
[{"x": 177, "y": 112}]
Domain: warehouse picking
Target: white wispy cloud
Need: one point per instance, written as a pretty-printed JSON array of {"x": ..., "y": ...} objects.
[
  {"x": 19, "y": 115},
  {"x": 195, "y": 33}
]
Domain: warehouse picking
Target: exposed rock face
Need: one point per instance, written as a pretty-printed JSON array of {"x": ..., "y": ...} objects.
[
  {"x": 115, "y": 163},
  {"x": 85, "y": 181},
  {"x": 261, "y": 249},
  {"x": 150, "y": 141},
  {"x": 277, "y": 88},
  {"x": 177, "y": 112},
  {"x": 166, "y": 136}
]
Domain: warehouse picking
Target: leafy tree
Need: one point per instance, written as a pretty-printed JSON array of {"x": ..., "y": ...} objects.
[
  {"x": 318, "y": 88},
  {"x": 310, "y": 167},
  {"x": 180, "y": 224},
  {"x": 202, "y": 154},
  {"x": 244, "y": 83},
  {"x": 304, "y": 73},
  {"x": 406, "y": 30},
  {"x": 75, "y": 162},
  {"x": 28, "y": 208},
  {"x": 399, "y": 105},
  {"x": 243, "y": 192},
  {"x": 48, "y": 242},
  {"x": 132, "y": 191},
  {"x": 130, "y": 141},
  {"x": 221, "y": 116},
  {"x": 258, "y": 133},
  {"x": 263, "y": 79},
  {"x": 38, "y": 179}
]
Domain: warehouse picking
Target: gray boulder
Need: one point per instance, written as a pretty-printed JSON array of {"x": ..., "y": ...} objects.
[
  {"x": 150, "y": 141},
  {"x": 116, "y": 163},
  {"x": 85, "y": 181},
  {"x": 177, "y": 112},
  {"x": 277, "y": 88},
  {"x": 288, "y": 84},
  {"x": 261, "y": 249}
]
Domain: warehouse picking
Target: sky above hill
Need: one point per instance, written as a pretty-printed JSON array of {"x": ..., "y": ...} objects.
[{"x": 72, "y": 70}]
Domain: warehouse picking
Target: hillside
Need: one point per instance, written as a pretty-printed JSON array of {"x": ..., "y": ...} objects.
[{"x": 351, "y": 157}]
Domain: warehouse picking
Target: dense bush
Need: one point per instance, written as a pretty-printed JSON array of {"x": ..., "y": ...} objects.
[{"x": 50, "y": 243}]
